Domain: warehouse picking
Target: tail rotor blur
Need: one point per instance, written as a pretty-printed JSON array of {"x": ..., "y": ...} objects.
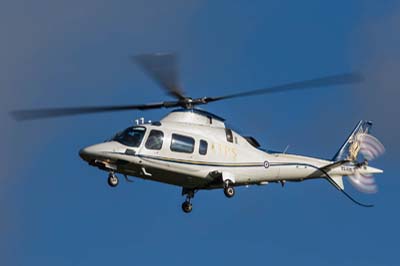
[
  {"x": 363, "y": 182},
  {"x": 370, "y": 148}
]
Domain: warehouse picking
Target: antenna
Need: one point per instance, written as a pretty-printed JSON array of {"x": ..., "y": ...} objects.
[
  {"x": 139, "y": 121},
  {"x": 287, "y": 147}
]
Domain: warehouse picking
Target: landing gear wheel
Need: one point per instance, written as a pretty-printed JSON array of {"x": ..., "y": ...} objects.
[
  {"x": 229, "y": 192},
  {"x": 112, "y": 180},
  {"x": 187, "y": 207}
]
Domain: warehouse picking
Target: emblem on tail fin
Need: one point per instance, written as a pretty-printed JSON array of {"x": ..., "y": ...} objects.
[
  {"x": 366, "y": 144},
  {"x": 351, "y": 147},
  {"x": 353, "y": 150}
]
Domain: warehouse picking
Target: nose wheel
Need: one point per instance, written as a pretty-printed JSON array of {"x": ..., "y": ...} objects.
[{"x": 112, "y": 180}]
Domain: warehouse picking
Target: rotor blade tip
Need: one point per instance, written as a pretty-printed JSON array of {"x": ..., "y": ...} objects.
[
  {"x": 358, "y": 77},
  {"x": 16, "y": 115}
]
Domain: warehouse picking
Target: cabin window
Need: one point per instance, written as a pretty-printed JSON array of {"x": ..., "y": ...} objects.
[
  {"x": 203, "y": 147},
  {"x": 131, "y": 136},
  {"x": 182, "y": 143},
  {"x": 155, "y": 140},
  {"x": 229, "y": 135}
]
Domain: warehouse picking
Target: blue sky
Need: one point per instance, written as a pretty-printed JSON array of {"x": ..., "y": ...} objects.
[{"x": 56, "y": 210}]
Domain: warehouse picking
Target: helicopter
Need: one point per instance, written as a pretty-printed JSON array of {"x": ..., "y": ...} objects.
[{"x": 195, "y": 149}]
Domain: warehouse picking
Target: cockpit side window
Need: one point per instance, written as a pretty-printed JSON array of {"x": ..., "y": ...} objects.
[
  {"x": 182, "y": 143},
  {"x": 229, "y": 135},
  {"x": 132, "y": 136},
  {"x": 203, "y": 147},
  {"x": 155, "y": 140}
]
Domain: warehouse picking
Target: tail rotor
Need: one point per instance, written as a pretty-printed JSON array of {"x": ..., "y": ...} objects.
[
  {"x": 369, "y": 148},
  {"x": 363, "y": 182}
]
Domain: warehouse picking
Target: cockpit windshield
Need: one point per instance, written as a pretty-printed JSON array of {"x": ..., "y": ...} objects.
[{"x": 132, "y": 136}]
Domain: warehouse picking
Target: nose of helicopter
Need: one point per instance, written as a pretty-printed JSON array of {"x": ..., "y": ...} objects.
[
  {"x": 88, "y": 152},
  {"x": 92, "y": 152},
  {"x": 101, "y": 151}
]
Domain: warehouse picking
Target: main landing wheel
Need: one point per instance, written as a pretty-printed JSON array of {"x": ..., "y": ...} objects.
[
  {"x": 229, "y": 191},
  {"x": 187, "y": 207},
  {"x": 112, "y": 180}
]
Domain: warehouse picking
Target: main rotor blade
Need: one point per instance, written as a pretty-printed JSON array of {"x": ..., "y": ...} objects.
[
  {"x": 33, "y": 114},
  {"x": 348, "y": 78},
  {"x": 163, "y": 68}
]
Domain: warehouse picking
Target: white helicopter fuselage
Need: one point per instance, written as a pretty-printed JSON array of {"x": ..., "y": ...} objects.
[{"x": 197, "y": 151}]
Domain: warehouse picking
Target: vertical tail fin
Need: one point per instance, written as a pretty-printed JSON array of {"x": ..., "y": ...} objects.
[{"x": 350, "y": 149}]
